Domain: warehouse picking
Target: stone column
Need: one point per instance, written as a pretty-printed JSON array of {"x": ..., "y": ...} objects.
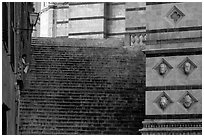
[{"x": 173, "y": 101}]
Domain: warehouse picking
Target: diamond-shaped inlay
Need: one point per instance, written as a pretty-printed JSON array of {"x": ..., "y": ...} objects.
[
  {"x": 163, "y": 101},
  {"x": 175, "y": 15},
  {"x": 187, "y": 100},
  {"x": 187, "y": 66},
  {"x": 163, "y": 67}
]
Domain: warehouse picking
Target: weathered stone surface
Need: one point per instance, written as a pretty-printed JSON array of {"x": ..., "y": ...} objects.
[
  {"x": 176, "y": 107},
  {"x": 175, "y": 75}
]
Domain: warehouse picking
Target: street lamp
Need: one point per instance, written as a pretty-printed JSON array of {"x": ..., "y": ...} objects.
[{"x": 33, "y": 18}]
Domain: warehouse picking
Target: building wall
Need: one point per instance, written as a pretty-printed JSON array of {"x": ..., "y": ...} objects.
[
  {"x": 116, "y": 19},
  {"x": 175, "y": 42},
  {"x": 87, "y": 19},
  {"x": 36, "y": 32},
  {"x": 16, "y": 42},
  {"x": 8, "y": 94},
  {"x": 83, "y": 20}
]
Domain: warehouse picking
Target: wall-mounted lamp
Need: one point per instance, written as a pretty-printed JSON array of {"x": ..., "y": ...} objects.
[{"x": 33, "y": 18}]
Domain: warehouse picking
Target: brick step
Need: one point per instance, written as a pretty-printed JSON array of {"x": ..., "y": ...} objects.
[
  {"x": 76, "y": 125},
  {"x": 67, "y": 56},
  {"x": 52, "y": 77},
  {"x": 51, "y": 131},
  {"x": 71, "y": 91},
  {"x": 58, "y": 71},
  {"x": 67, "y": 112},
  {"x": 79, "y": 108},
  {"x": 59, "y": 132},
  {"x": 40, "y": 132},
  {"x": 40, "y": 80},
  {"x": 67, "y": 76},
  {"x": 64, "y": 58},
  {"x": 63, "y": 52},
  {"x": 65, "y": 96},
  {"x": 58, "y": 126},
  {"x": 73, "y": 114},
  {"x": 53, "y": 117},
  {"x": 65, "y": 69},
  {"x": 67, "y": 83},
  {"x": 70, "y": 85},
  {"x": 64, "y": 120},
  {"x": 73, "y": 95},
  {"x": 65, "y": 72},
  {"x": 58, "y": 63},
  {"x": 74, "y": 104},
  {"x": 74, "y": 87},
  {"x": 81, "y": 88},
  {"x": 59, "y": 55},
  {"x": 70, "y": 97},
  {"x": 47, "y": 123},
  {"x": 74, "y": 44},
  {"x": 69, "y": 104}
]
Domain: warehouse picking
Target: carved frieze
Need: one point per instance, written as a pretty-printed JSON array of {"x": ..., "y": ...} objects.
[{"x": 137, "y": 39}]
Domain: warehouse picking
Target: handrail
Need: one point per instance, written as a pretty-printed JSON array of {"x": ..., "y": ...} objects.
[{"x": 5, "y": 46}]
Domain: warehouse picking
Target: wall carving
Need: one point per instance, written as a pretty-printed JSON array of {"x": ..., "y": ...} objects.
[
  {"x": 175, "y": 15},
  {"x": 163, "y": 101},
  {"x": 163, "y": 67},
  {"x": 187, "y": 66},
  {"x": 188, "y": 100},
  {"x": 137, "y": 39}
]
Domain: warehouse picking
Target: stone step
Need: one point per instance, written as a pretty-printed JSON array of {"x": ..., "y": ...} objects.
[
  {"x": 54, "y": 117},
  {"x": 74, "y": 104},
  {"x": 70, "y": 131},
  {"x": 71, "y": 86},
  {"x": 51, "y": 131},
  {"x": 47, "y": 123},
  {"x": 61, "y": 112},
  {"x": 66, "y": 96},
  {"x": 75, "y": 113}
]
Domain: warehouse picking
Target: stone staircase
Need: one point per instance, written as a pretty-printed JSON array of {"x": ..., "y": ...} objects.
[{"x": 82, "y": 87}]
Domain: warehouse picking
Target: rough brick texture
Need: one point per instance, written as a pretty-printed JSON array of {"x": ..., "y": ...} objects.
[{"x": 85, "y": 89}]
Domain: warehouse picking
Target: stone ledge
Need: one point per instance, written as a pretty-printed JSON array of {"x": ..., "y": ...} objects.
[
  {"x": 172, "y": 51},
  {"x": 172, "y": 126}
]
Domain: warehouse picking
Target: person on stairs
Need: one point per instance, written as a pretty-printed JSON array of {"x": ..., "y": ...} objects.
[{"x": 23, "y": 67}]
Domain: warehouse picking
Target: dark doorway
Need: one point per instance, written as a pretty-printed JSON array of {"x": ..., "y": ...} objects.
[{"x": 4, "y": 118}]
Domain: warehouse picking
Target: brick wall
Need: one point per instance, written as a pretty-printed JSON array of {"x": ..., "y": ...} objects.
[{"x": 84, "y": 90}]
